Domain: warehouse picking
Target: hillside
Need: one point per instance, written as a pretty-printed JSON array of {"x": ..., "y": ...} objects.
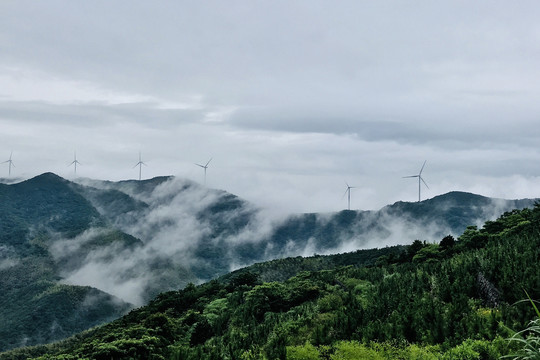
[
  {"x": 399, "y": 223},
  {"x": 214, "y": 232},
  {"x": 35, "y": 306},
  {"x": 454, "y": 300},
  {"x": 99, "y": 248}
]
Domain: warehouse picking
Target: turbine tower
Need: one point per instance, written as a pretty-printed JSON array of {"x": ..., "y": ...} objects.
[
  {"x": 205, "y": 167},
  {"x": 75, "y": 162},
  {"x": 10, "y": 162},
  {"x": 420, "y": 179},
  {"x": 140, "y": 164},
  {"x": 348, "y": 192}
]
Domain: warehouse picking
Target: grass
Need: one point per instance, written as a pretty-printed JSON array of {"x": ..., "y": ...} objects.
[{"x": 529, "y": 338}]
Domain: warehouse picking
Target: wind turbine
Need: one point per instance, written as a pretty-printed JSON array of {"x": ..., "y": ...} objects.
[
  {"x": 10, "y": 162},
  {"x": 420, "y": 179},
  {"x": 205, "y": 167},
  {"x": 75, "y": 162},
  {"x": 140, "y": 164},
  {"x": 348, "y": 192}
]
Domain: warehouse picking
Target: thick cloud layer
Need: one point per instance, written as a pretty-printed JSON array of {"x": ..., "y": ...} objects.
[{"x": 290, "y": 99}]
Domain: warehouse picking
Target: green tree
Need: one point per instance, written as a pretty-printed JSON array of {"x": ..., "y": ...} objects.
[
  {"x": 302, "y": 352},
  {"x": 352, "y": 350}
]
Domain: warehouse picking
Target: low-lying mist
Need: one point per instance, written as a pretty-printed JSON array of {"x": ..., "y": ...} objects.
[{"x": 189, "y": 233}]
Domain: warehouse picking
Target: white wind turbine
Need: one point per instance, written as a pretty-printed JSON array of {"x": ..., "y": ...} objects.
[
  {"x": 420, "y": 179},
  {"x": 10, "y": 162},
  {"x": 348, "y": 192},
  {"x": 75, "y": 162},
  {"x": 140, "y": 164},
  {"x": 205, "y": 167}
]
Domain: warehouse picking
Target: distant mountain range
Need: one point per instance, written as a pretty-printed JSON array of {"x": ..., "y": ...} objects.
[{"x": 76, "y": 254}]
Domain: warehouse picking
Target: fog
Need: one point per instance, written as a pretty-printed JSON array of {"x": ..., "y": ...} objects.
[
  {"x": 172, "y": 228},
  {"x": 191, "y": 233}
]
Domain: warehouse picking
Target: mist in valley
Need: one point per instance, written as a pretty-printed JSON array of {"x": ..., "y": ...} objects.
[{"x": 191, "y": 233}]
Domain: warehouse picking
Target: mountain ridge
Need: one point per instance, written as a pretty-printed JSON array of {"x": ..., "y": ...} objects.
[
  {"x": 132, "y": 240},
  {"x": 457, "y": 299}
]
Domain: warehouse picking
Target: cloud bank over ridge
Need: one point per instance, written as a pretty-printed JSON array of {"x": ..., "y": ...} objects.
[
  {"x": 190, "y": 233},
  {"x": 290, "y": 100}
]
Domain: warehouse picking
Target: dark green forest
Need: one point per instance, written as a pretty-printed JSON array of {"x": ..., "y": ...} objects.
[{"x": 455, "y": 299}]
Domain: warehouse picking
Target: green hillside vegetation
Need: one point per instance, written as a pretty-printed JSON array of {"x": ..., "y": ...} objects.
[
  {"x": 284, "y": 269},
  {"x": 456, "y": 299},
  {"x": 35, "y": 306},
  {"x": 53, "y": 232}
]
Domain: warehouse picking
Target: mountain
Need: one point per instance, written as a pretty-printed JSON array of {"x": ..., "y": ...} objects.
[
  {"x": 35, "y": 306},
  {"x": 457, "y": 299},
  {"x": 209, "y": 232},
  {"x": 103, "y": 247},
  {"x": 400, "y": 223}
]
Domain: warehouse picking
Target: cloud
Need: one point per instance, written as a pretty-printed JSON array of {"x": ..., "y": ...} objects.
[
  {"x": 191, "y": 233},
  {"x": 8, "y": 257},
  {"x": 289, "y": 99},
  {"x": 113, "y": 277},
  {"x": 7, "y": 263},
  {"x": 66, "y": 247},
  {"x": 182, "y": 218}
]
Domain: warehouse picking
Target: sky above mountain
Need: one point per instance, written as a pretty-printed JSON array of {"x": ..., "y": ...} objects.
[{"x": 289, "y": 99}]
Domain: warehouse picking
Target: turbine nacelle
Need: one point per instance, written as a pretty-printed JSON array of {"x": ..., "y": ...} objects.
[
  {"x": 204, "y": 167},
  {"x": 420, "y": 179},
  {"x": 10, "y": 162},
  {"x": 75, "y": 162},
  {"x": 348, "y": 193},
  {"x": 140, "y": 164}
]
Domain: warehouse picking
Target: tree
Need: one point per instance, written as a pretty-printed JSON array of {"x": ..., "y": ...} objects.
[
  {"x": 202, "y": 331},
  {"x": 428, "y": 252},
  {"x": 414, "y": 248},
  {"x": 302, "y": 352},
  {"x": 447, "y": 242}
]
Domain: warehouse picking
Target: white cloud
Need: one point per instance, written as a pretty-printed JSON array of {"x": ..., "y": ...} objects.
[
  {"x": 192, "y": 233},
  {"x": 290, "y": 100}
]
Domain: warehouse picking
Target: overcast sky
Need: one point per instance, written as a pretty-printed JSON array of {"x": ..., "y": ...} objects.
[{"x": 291, "y": 99}]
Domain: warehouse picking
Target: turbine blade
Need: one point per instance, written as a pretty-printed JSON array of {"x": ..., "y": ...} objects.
[
  {"x": 424, "y": 182},
  {"x": 200, "y": 165},
  {"x": 410, "y": 176},
  {"x": 422, "y": 167},
  {"x": 208, "y": 162},
  {"x": 345, "y": 193}
]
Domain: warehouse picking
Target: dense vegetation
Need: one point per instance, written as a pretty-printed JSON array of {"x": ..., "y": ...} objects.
[
  {"x": 34, "y": 306},
  {"x": 456, "y": 299}
]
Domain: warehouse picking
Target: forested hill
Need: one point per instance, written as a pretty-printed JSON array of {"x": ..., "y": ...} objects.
[
  {"x": 35, "y": 306},
  {"x": 77, "y": 254},
  {"x": 399, "y": 223},
  {"x": 456, "y": 299}
]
